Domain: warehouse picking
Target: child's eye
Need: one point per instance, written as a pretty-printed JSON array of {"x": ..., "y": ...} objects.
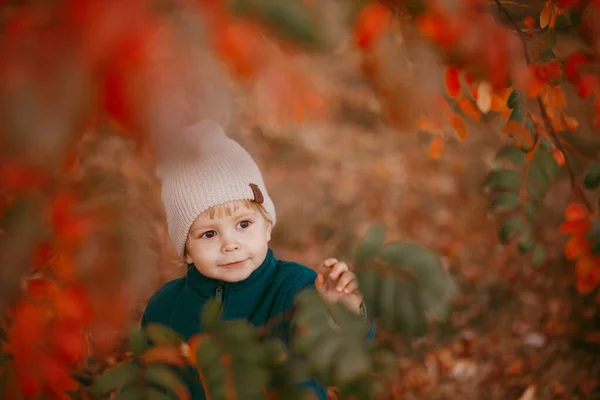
[
  {"x": 208, "y": 235},
  {"x": 243, "y": 224}
]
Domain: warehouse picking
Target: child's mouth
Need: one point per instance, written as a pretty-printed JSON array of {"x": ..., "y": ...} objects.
[{"x": 234, "y": 264}]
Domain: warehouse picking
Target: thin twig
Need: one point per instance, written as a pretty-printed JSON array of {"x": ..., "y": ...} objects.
[{"x": 547, "y": 122}]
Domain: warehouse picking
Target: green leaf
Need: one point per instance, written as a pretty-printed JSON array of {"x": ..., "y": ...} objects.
[
  {"x": 387, "y": 303},
  {"x": 166, "y": 377},
  {"x": 137, "y": 340},
  {"x": 517, "y": 115},
  {"x": 512, "y": 154},
  {"x": 161, "y": 334},
  {"x": 275, "y": 350},
  {"x": 115, "y": 378},
  {"x": 593, "y": 235},
  {"x": 505, "y": 201},
  {"x": 514, "y": 100},
  {"x": 321, "y": 358},
  {"x": 575, "y": 17},
  {"x": 287, "y": 18},
  {"x": 543, "y": 171},
  {"x": 538, "y": 255},
  {"x": 131, "y": 393},
  {"x": 509, "y": 228},
  {"x": 207, "y": 352},
  {"x": 368, "y": 282},
  {"x": 154, "y": 394},
  {"x": 435, "y": 285},
  {"x": 370, "y": 245},
  {"x": 352, "y": 364},
  {"x": 592, "y": 176},
  {"x": 211, "y": 314},
  {"x": 526, "y": 241},
  {"x": 411, "y": 314},
  {"x": 503, "y": 179},
  {"x": 530, "y": 209}
]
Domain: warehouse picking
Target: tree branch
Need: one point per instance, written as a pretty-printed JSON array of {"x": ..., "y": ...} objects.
[{"x": 547, "y": 122}]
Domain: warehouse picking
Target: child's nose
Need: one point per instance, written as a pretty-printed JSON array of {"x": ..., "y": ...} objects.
[{"x": 229, "y": 244}]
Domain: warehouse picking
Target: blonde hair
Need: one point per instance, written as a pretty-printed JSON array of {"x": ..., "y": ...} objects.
[{"x": 231, "y": 207}]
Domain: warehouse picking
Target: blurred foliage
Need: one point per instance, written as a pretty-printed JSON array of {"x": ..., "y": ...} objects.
[{"x": 77, "y": 235}]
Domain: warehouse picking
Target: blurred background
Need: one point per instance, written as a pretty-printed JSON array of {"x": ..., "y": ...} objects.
[{"x": 93, "y": 95}]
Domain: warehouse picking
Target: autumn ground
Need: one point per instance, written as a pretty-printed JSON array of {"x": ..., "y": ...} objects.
[{"x": 518, "y": 332}]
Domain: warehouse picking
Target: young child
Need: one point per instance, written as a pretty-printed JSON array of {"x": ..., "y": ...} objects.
[{"x": 219, "y": 218}]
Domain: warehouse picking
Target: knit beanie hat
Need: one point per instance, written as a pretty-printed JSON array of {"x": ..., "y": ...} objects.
[{"x": 220, "y": 171}]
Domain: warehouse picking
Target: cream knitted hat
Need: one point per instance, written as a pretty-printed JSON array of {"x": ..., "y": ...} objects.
[{"x": 220, "y": 171}]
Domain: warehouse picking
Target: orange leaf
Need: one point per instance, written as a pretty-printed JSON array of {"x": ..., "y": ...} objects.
[
  {"x": 576, "y": 211},
  {"x": 555, "y": 97},
  {"x": 436, "y": 149},
  {"x": 498, "y": 103},
  {"x": 572, "y": 123},
  {"x": 535, "y": 86},
  {"x": 459, "y": 126},
  {"x": 559, "y": 157},
  {"x": 576, "y": 247},
  {"x": 545, "y": 15},
  {"x": 452, "y": 81},
  {"x": 164, "y": 354},
  {"x": 427, "y": 124},
  {"x": 519, "y": 132},
  {"x": 193, "y": 344},
  {"x": 469, "y": 109}
]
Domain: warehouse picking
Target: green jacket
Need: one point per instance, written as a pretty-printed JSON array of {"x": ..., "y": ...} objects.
[{"x": 266, "y": 293}]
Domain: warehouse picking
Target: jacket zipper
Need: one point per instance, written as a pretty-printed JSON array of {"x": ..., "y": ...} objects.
[{"x": 219, "y": 292}]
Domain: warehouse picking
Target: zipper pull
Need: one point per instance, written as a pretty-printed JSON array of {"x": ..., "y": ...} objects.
[{"x": 219, "y": 293}]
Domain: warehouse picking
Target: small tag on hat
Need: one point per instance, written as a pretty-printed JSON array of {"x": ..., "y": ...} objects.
[{"x": 258, "y": 196}]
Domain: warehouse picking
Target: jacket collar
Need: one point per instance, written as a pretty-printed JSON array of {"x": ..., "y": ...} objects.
[{"x": 206, "y": 287}]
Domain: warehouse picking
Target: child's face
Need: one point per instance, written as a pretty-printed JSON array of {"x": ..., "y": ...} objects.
[{"x": 228, "y": 248}]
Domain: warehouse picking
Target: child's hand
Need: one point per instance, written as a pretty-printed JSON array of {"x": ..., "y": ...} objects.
[{"x": 337, "y": 283}]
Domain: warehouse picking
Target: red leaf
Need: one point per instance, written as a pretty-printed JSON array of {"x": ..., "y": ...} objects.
[
  {"x": 576, "y": 212},
  {"x": 572, "y": 64},
  {"x": 587, "y": 85},
  {"x": 577, "y": 246},
  {"x": 19, "y": 177},
  {"x": 529, "y": 21},
  {"x": 452, "y": 81},
  {"x": 238, "y": 43},
  {"x": 372, "y": 21},
  {"x": 562, "y": 4},
  {"x": 579, "y": 226}
]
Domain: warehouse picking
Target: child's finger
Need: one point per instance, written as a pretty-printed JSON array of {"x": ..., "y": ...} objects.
[
  {"x": 337, "y": 270},
  {"x": 330, "y": 262},
  {"x": 351, "y": 287},
  {"x": 345, "y": 278},
  {"x": 320, "y": 283}
]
